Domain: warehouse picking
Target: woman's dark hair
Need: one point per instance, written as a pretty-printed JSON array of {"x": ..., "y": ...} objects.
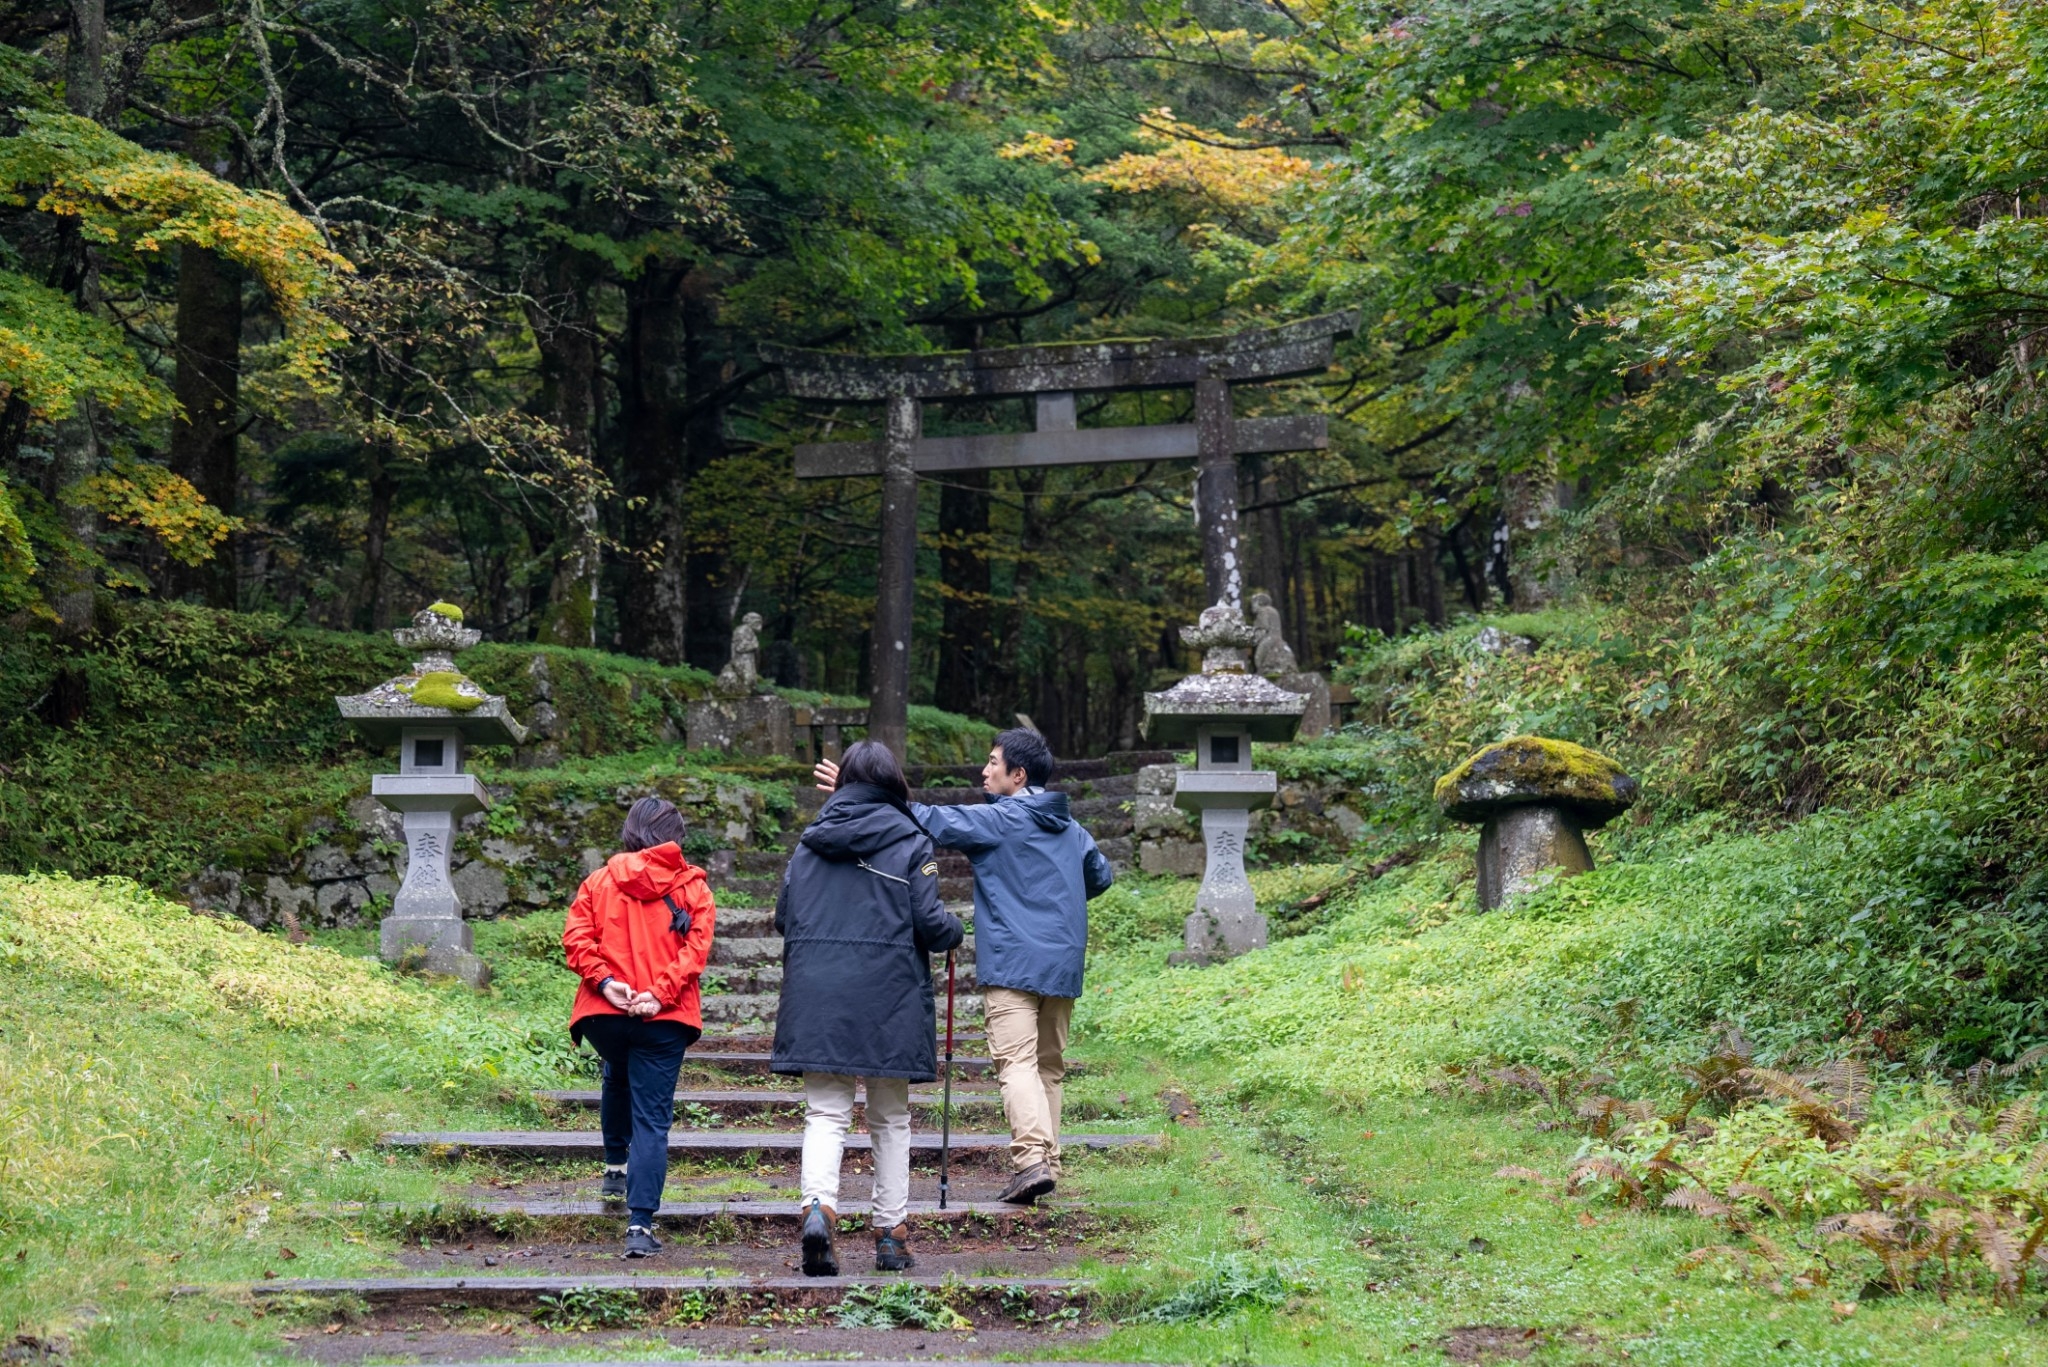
[
  {"x": 870, "y": 761},
  {"x": 652, "y": 821},
  {"x": 1028, "y": 751}
]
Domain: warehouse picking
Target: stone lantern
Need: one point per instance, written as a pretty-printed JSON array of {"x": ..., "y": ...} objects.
[
  {"x": 433, "y": 714},
  {"x": 1533, "y": 800},
  {"x": 1220, "y": 712}
]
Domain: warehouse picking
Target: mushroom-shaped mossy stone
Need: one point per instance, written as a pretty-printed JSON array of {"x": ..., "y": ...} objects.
[
  {"x": 444, "y": 608},
  {"x": 1534, "y": 800}
]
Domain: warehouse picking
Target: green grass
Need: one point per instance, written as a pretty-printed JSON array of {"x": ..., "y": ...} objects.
[
  {"x": 182, "y": 1101},
  {"x": 1390, "y": 1211}
]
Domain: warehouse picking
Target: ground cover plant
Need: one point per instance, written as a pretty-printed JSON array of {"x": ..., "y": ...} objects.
[{"x": 187, "y": 1100}]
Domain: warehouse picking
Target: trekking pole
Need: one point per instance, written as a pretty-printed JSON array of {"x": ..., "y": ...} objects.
[{"x": 946, "y": 1106}]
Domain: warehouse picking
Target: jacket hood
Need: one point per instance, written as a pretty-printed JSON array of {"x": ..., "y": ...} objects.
[
  {"x": 650, "y": 874},
  {"x": 1048, "y": 809},
  {"x": 857, "y": 822}
]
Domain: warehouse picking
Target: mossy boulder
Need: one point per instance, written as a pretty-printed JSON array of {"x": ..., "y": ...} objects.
[
  {"x": 1534, "y": 771},
  {"x": 445, "y": 609}
]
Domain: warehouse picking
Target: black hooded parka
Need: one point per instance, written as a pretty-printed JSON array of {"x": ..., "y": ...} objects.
[{"x": 860, "y": 918}]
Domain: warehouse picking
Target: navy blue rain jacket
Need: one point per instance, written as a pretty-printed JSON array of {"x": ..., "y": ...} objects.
[
  {"x": 1035, "y": 870},
  {"x": 860, "y": 919}
]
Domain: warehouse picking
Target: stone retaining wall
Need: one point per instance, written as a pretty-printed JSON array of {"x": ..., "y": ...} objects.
[
  {"x": 1170, "y": 840},
  {"x": 528, "y": 853}
]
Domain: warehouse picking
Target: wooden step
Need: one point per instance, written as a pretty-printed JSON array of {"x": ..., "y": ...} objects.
[
  {"x": 756, "y": 1362},
  {"x": 747, "y": 923},
  {"x": 737, "y": 1061},
  {"x": 690, "y": 1212},
  {"x": 525, "y": 1292},
  {"x": 590, "y": 1144},
  {"x": 737, "y": 1008},
  {"x": 721, "y": 1042},
  {"x": 751, "y": 950},
  {"x": 921, "y": 1095},
  {"x": 766, "y": 979}
]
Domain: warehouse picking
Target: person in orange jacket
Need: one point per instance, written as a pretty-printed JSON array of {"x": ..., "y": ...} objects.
[{"x": 639, "y": 935}]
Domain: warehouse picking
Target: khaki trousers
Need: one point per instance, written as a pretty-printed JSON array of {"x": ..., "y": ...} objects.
[{"x": 1027, "y": 1038}]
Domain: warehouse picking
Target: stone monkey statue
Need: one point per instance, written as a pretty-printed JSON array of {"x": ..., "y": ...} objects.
[{"x": 1271, "y": 654}]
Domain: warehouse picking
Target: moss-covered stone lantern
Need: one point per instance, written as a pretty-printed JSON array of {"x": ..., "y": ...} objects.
[
  {"x": 433, "y": 714},
  {"x": 1533, "y": 800}
]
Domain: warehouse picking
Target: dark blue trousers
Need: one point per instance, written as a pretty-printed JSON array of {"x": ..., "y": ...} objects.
[{"x": 638, "y": 1105}]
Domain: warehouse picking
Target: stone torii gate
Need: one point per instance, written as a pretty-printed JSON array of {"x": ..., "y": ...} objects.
[{"x": 1052, "y": 375}]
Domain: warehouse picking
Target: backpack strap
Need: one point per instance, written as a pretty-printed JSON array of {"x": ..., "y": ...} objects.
[{"x": 678, "y": 914}]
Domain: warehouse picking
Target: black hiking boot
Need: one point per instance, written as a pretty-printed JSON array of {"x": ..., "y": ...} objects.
[
  {"x": 640, "y": 1242},
  {"x": 892, "y": 1249},
  {"x": 614, "y": 1188},
  {"x": 1027, "y": 1186},
  {"x": 819, "y": 1259}
]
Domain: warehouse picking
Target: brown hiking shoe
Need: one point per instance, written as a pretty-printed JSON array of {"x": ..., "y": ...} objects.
[
  {"x": 1028, "y": 1185},
  {"x": 892, "y": 1249}
]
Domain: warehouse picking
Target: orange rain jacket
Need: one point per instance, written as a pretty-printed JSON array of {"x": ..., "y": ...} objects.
[{"x": 619, "y": 928}]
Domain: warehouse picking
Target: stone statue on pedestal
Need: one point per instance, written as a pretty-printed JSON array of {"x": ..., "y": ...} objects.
[
  {"x": 741, "y": 677},
  {"x": 1274, "y": 658},
  {"x": 742, "y": 716},
  {"x": 1271, "y": 654}
]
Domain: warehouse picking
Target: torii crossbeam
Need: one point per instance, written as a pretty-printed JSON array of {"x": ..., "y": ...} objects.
[{"x": 1052, "y": 375}]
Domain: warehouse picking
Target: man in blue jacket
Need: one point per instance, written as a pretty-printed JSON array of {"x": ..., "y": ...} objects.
[{"x": 1035, "y": 870}]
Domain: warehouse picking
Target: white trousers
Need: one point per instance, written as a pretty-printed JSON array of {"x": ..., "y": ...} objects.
[{"x": 828, "y": 1110}]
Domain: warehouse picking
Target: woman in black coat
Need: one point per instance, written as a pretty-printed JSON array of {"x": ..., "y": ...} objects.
[{"x": 860, "y": 919}]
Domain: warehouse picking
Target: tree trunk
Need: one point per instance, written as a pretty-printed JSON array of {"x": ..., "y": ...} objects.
[
  {"x": 966, "y": 633},
  {"x": 566, "y": 332},
  {"x": 1475, "y": 587},
  {"x": 75, "y": 440},
  {"x": 208, "y": 384},
  {"x": 1429, "y": 579},
  {"x": 653, "y": 606},
  {"x": 705, "y": 596},
  {"x": 383, "y": 490}
]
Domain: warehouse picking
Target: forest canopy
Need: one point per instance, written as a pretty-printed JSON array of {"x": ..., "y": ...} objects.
[{"x": 335, "y": 309}]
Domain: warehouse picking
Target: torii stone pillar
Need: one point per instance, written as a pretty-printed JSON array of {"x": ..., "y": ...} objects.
[{"x": 1052, "y": 375}]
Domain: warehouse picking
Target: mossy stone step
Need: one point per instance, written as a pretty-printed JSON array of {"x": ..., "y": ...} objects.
[
  {"x": 590, "y": 1143},
  {"x": 654, "y": 1287}
]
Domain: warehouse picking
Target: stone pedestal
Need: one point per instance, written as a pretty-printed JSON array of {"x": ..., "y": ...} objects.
[
  {"x": 1524, "y": 847},
  {"x": 426, "y": 913},
  {"x": 1226, "y": 920},
  {"x": 757, "y": 725}
]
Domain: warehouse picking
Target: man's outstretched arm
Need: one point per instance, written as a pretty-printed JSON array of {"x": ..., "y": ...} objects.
[{"x": 968, "y": 827}]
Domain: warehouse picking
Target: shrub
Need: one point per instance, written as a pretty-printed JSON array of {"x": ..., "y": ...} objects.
[{"x": 1226, "y": 1285}]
